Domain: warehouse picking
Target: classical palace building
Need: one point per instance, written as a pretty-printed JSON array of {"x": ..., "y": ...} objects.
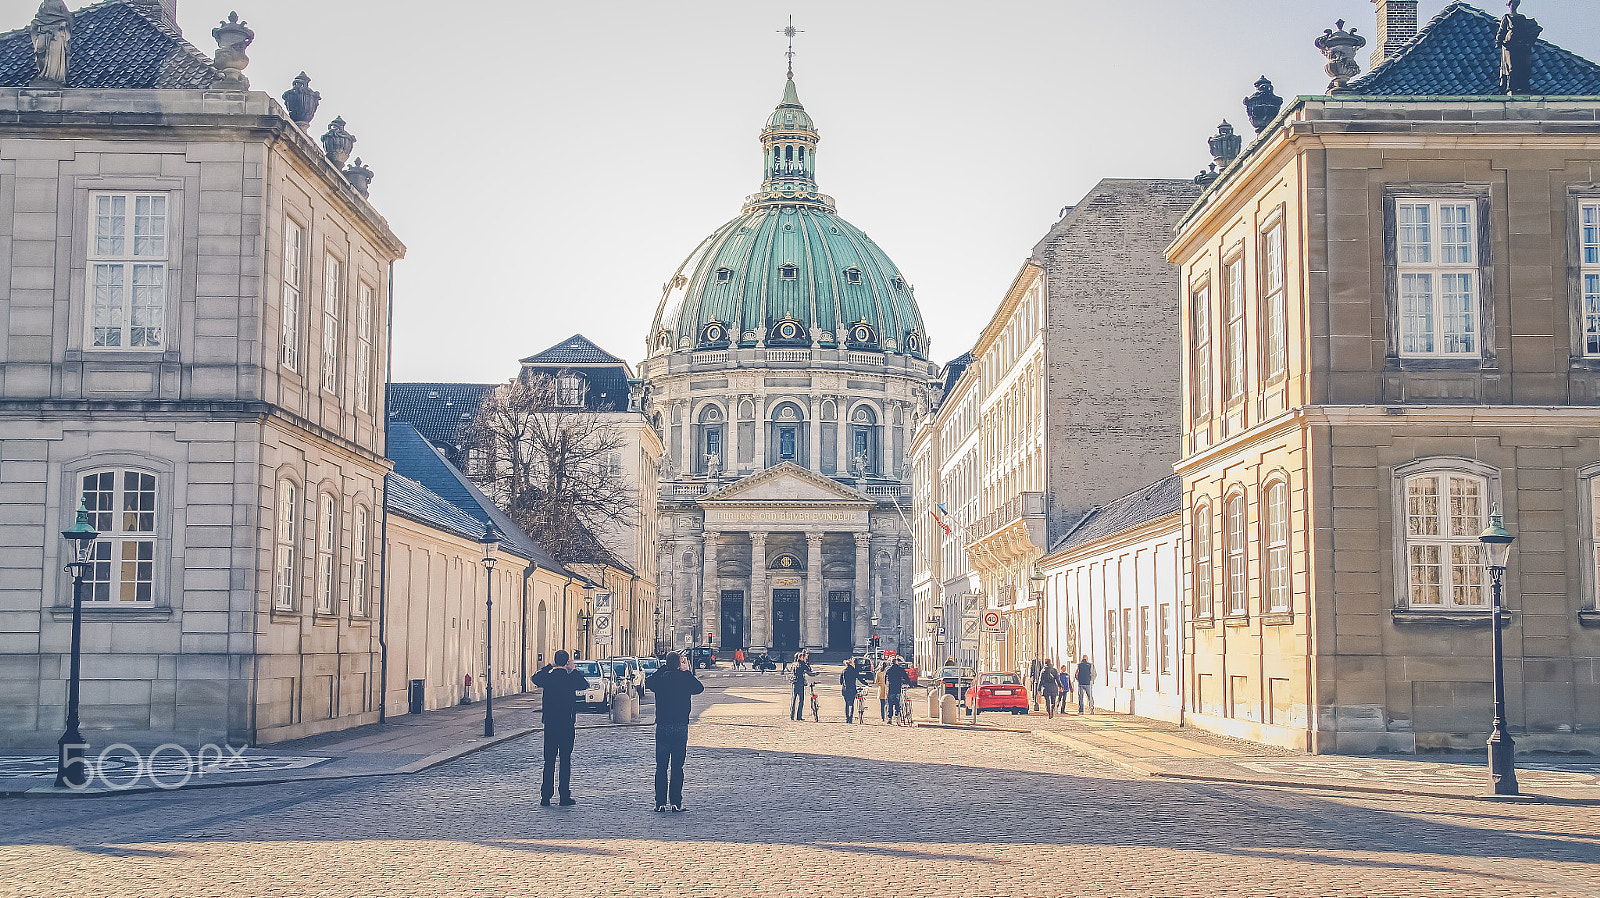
[{"x": 786, "y": 367}]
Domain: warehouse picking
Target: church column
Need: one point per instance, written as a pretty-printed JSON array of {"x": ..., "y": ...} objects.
[
  {"x": 863, "y": 582},
  {"x": 842, "y": 462},
  {"x": 730, "y": 446},
  {"x": 905, "y": 618},
  {"x": 665, "y": 591},
  {"x": 760, "y": 603},
  {"x": 761, "y": 434},
  {"x": 815, "y": 635},
  {"x": 814, "y": 443},
  {"x": 709, "y": 612},
  {"x": 686, "y": 465},
  {"x": 886, "y": 440}
]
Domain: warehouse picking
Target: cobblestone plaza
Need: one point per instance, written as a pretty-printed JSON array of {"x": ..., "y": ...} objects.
[{"x": 779, "y": 808}]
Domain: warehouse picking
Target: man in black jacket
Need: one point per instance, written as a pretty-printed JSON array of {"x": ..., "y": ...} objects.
[
  {"x": 802, "y": 673},
  {"x": 1085, "y": 684},
  {"x": 673, "y": 685},
  {"x": 562, "y": 687}
]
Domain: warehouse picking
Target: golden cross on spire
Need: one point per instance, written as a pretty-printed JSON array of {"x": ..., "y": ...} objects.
[{"x": 789, "y": 31}]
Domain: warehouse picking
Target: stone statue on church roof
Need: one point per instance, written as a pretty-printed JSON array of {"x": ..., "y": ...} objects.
[
  {"x": 51, "y": 31},
  {"x": 1518, "y": 33}
]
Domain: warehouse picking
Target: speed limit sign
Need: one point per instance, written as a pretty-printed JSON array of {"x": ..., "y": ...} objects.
[{"x": 991, "y": 619}]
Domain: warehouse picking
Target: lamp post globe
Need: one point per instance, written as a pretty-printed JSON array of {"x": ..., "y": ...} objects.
[
  {"x": 1496, "y": 544},
  {"x": 491, "y": 545},
  {"x": 71, "y": 770}
]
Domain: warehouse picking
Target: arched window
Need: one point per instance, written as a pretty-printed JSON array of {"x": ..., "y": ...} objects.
[
  {"x": 1234, "y": 514},
  {"x": 569, "y": 391},
  {"x": 1444, "y": 513},
  {"x": 359, "y": 548},
  {"x": 122, "y": 507},
  {"x": 327, "y": 553},
  {"x": 1276, "y": 527},
  {"x": 285, "y": 561}
]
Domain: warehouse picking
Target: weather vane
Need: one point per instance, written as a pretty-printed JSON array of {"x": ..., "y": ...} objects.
[{"x": 789, "y": 31}]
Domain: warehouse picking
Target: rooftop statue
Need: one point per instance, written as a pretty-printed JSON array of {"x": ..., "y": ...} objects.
[
  {"x": 51, "y": 31},
  {"x": 1518, "y": 34}
]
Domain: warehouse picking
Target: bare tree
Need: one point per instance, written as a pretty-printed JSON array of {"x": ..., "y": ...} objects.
[{"x": 554, "y": 468}]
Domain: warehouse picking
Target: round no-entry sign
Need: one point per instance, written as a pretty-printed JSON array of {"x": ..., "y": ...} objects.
[{"x": 991, "y": 618}]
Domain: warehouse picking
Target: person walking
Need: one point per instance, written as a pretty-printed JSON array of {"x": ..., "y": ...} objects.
[
  {"x": 1049, "y": 687},
  {"x": 896, "y": 679},
  {"x": 880, "y": 682},
  {"x": 674, "y": 684},
  {"x": 849, "y": 683},
  {"x": 1066, "y": 688},
  {"x": 560, "y": 686},
  {"x": 1034, "y": 667},
  {"x": 738, "y": 659},
  {"x": 802, "y": 676},
  {"x": 1085, "y": 684}
]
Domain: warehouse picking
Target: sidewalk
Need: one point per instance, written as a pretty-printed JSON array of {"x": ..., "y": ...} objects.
[
  {"x": 1158, "y": 749},
  {"x": 404, "y": 744}
]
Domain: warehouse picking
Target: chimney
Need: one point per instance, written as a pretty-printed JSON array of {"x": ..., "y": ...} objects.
[
  {"x": 1397, "y": 25},
  {"x": 164, "y": 10}
]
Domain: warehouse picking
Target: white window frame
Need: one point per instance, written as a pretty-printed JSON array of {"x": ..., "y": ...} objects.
[
  {"x": 125, "y": 279},
  {"x": 1438, "y": 280},
  {"x": 1236, "y": 555},
  {"x": 293, "y": 292},
  {"x": 570, "y": 389},
  {"x": 1588, "y": 254},
  {"x": 1200, "y": 350},
  {"x": 1164, "y": 615},
  {"x": 364, "y": 303},
  {"x": 124, "y": 507},
  {"x": 1234, "y": 346},
  {"x": 1146, "y": 639},
  {"x": 1457, "y": 580},
  {"x": 360, "y": 550},
  {"x": 1274, "y": 301},
  {"x": 1204, "y": 561},
  {"x": 1589, "y": 508},
  {"x": 1275, "y": 535},
  {"x": 327, "y": 553},
  {"x": 332, "y": 301},
  {"x": 285, "y": 556}
]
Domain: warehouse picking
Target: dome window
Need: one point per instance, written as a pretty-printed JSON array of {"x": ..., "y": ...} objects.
[
  {"x": 789, "y": 271},
  {"x": 724, "y": 275},
  {"x": 852, "y": 275},
  {"x": 789, "y": 331},
  {"x": 714, "y": 335},
  {"x": 898, "y": 284},
  {"x": 913, "y": 342},
  {"x": 861, "y": 334}
]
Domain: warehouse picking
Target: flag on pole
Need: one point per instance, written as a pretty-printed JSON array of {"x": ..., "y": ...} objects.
[{"x": 942, "y": 525}]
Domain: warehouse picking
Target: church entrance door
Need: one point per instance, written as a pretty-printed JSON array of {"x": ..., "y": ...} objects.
[
  {"x": 786, "y": 620},
  {"x": 840, "y": 635},
  {"x": 732, "y": 620}
]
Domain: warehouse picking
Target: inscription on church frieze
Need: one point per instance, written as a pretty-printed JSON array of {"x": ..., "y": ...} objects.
[{"x": 801, "y": 516}]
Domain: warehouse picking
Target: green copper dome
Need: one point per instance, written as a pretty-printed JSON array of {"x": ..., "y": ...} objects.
[{"x": 789, "y": 272}]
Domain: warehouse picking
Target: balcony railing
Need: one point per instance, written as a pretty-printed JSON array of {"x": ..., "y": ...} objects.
[
  {"x": 887, "y": 491},
  {"x": 715, "y": 358},
  {"x": 1016, "y": 508},
  {"x": 869, "y": 359},
  {"x": 788, "y": 355}
]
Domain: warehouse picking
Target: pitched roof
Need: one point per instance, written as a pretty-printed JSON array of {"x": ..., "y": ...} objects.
[
  {"x": 115, "y": 44},
  {"x": 408, "y": 498},
  {"x": 417, "y": 459},
  {"x": 440, "y": 412},
  {"x": 574, "y": 350},
  {"x": 1455, "y": 56},
  {"x": 1141, "y": 506}
]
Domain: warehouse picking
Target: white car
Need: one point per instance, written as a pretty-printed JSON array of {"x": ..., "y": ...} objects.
[
  {"x": 628, "y": 675},
  {"x": 647, "y": 666},
  {"x": 602, "y": 685}
]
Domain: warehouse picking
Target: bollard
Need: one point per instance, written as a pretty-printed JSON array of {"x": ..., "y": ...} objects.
[
  {"x": 619, "y": 708},
  {"x": 933, "y": 706},
  {"x": 949, "y": 711},
  {"x": 633, "y": 707}
]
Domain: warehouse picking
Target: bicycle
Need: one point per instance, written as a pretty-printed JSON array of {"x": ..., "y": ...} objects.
[
  {"x": 904, "y": 716},
  {"x": 861, "y": 707},
  {"x": 816, "y": 706}
]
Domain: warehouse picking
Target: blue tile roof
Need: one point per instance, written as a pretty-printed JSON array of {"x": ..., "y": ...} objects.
[
  {"x": 408, "y": 498},
  {"x": 1455, "y": 56},
  {"x": 574, "y": 350},
  {"x": 1141, "y": 506},
  {"x": 416, "y": 459},
  {"x": 440, "y": 412},
  {"x": 114, "y": 45}
]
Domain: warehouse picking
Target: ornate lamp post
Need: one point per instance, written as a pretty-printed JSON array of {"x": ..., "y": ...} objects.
[
  {"x": 1502, "y": 750},
  {"x": 70, "y": 769},
  {"x": 586, "y": 617},
  {"x": 490, "y": 543}
]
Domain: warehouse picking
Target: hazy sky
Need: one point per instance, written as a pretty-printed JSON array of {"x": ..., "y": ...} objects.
[{"x": 550, "y": 164}]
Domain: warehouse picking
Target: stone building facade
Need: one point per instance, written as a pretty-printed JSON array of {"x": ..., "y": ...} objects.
[
  {"x": 787, "y": 365},
  {"x": 1390, "y": 330},
  {"x": 195, "y": 312}
]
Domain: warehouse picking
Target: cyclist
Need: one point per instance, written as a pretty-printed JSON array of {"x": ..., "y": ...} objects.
[
  {"x": 896, "y": 679},
  {"x": 850, "y": 681},
  {"x": 802, "y": 674}
]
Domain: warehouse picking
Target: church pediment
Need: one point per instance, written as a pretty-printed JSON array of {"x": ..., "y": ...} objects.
[{"x": 787, "y": 484}]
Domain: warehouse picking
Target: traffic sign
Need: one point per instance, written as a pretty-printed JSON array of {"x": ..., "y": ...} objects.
[
  {"x": 971, "y": 604},
  {"x": 969, "y": 634},
  {"x": 1005, "y": 626},
  {"x": 991, "y": 619}
]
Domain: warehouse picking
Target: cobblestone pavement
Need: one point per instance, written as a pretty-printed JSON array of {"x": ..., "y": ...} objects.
[{"x": 778, "y": 808}]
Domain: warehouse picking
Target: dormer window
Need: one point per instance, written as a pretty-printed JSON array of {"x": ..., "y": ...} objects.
[
  {"x": 724, "y": 275},
  {"x": 861, "y": 334},
  {"x": 714, "y": 334},
  {"x": 569, "y": 391},
  {"x": 852, "y": 275},
  {"x": 789, "y": 271},
  {"x": 898, "y": 284}
]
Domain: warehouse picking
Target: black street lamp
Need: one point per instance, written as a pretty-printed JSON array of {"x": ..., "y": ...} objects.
[
  {"x": 70, "y": 768},
  {"x": 490, "y": 542},
  {"x": 586, "y": 617},
  {"x": 1502, "y": 750}
]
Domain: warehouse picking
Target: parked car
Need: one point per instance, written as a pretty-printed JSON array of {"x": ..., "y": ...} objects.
[
  {"x": 956, "y": 681},
  {"x": 628, "y": 674},
  {"x": 602, "y": 684},
  {"x": 998, "y": 691},
  {"x": 648, "y": 666},
  {"x": 703, "y": 656}
]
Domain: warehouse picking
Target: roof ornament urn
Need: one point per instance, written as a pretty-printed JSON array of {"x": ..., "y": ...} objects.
[
  {"x": 337, "y": 142},
  {"x": 359, "y": 176},
  {"x": 1262, "y": 106},
  {"x": 1225, "y": 145},
  {"x": 1516, "y": 38},
  {"x": 51, "y": 32},
  {"x": 233, "y": 39},
  {"x": 1340, "y": 47},
  {"x": 301, "y": 101}
]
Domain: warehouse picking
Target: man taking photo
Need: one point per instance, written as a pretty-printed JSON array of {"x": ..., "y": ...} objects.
[{"x": 561, "y": 687}]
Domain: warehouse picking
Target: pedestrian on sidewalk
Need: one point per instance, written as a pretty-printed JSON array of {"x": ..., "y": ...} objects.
[
  {"x": 1049, "y": 687},
  {"x": 673, "y": 685},
  {"x": 881, "y": 683},
  {"x": 560, "y": 686},
  {"x": 850, "y": 683},
  {"x": 1085, "y": 684},
  {"x": 802, "y": 678},
  {"x": 896, "y": 678},
  {"x": 1066, "y": 687},
  {"x": 1034, "y": 668},
  {"x": 738, "y": 659}
]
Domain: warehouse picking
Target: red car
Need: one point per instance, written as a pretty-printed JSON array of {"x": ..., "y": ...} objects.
[{"x": 998, "y": 691}]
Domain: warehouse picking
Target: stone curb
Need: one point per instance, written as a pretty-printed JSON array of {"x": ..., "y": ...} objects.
[
  {"x": 427, "y": 763},
  {"x": 1156, "y": 772}
]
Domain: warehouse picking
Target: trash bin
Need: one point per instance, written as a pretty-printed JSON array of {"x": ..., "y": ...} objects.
[{"x": 414, "y": 696}]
